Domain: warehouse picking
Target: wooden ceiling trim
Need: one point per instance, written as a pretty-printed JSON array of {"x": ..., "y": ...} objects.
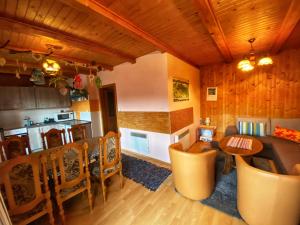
[
  {"x": 212, "y": 24},
  {"x": 22, "y": 26},
  {"x": 64, "y": 57},
  {"x": 96, "y": 8},
  {"x": 288, "y": 24}
]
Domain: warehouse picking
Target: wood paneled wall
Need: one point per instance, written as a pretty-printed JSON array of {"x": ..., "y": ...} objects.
[
  {"x": 161, "y": 122},
  {"x": 148, "y": 121},
  {"x": 265, "y": 92},
  {"x": 181, "y": 118}
]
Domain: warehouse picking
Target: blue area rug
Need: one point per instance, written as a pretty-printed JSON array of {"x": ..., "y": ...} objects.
[
  {"x": 224, "y": 197},
  {"x": 142, "y": 172}
]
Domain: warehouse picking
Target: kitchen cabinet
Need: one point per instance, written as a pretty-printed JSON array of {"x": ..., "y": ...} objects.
[
  {"x": 32, "y": 98},
  {"x": 10, "y": 98},
  {"x": 35, "y": 139},
  {"x": 27, "y": 95},
  {"x": 47, "y": 97}
]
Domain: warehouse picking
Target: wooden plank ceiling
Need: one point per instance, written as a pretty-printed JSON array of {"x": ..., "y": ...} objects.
[{"x": 110, "y": 32}]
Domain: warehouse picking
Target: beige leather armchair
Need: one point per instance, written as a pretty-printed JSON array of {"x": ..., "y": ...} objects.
[
  {"x": 193, "y": 173},
  {"x": 266, "y": 198}
]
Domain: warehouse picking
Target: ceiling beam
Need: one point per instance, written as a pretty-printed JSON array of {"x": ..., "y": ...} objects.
[
  {"x": 96, "y": 8},
  {"x": 62, "y": 57},
  {"x": 30, "y": 28},
  {"x": 288, "y": 24},
  {"x": 212, "y": 24}
]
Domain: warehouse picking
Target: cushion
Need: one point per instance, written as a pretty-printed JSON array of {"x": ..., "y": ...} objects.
[
  {"x": 259, "y": 129},
  {"x": 245, "y": 127},
  {"x": 293, "y": 123},
  {"x": 285, "y": 133},
  {"x": 257, "y": 120}
]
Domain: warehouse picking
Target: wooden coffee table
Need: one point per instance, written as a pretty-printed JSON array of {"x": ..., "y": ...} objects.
[{"x": 231, "y": 151}]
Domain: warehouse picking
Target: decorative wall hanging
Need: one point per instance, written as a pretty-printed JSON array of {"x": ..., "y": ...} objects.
[
  {"x": 37, "y": 77},
  {"x": 180, "y": 90},
  {"x": 98, "y": 82},
  {"x": 212, "y": 94},
  {"x": 2, "y": 61},
  {"x": 249, "y": 61}
]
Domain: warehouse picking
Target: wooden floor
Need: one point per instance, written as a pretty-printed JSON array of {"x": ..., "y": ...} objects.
[{"x": 135, "y": 204}]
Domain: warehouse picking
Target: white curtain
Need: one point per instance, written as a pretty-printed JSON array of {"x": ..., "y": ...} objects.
[{"x": 4, "y": 217}]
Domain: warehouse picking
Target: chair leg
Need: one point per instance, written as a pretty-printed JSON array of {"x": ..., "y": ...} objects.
[
  {"x": 61, "y": 211},
  {"x": 103, "y": 189},
  {"x": 50, "y": 211},
  {"x": 89, "y": 194},
  {"x": 121, "y": 179}
]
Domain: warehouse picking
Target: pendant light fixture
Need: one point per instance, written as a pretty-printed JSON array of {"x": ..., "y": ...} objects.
[
  {"x": 51, "y": 67},
  {"x": 248, "y": 63}
]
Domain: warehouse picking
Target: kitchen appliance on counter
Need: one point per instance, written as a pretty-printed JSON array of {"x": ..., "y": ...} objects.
[{"x": 64, "y": 116}]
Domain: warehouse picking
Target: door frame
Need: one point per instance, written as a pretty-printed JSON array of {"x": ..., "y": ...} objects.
[{"x": 113, "y": 85}]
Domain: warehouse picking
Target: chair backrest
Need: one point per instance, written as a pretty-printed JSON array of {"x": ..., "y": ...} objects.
[
  {"x": 77, "y": 133},
  {"x": 69, "y": 161},
  {"x": 193, "y": 173},
  {"x": 110, "y": 149},
  {"x": 16, "y": 146},
  {"x": 274, "y": 199},
  {"x": 53, "y": 138},
  {"x": 2, "y": 153},
  {"x": 20, "y": 178}
]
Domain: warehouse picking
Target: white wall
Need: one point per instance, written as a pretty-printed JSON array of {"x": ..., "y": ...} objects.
[
  {"x": 147, "y": 86},
  {"x": 141, "y": 86}
]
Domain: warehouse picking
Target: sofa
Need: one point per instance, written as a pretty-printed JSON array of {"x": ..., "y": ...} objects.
[
  {"x": 193, "y": 173},
  {"x": 285, "y": 153}
]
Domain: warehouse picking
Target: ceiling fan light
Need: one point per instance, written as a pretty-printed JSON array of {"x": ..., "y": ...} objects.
[{"x": 265, "y": 61}]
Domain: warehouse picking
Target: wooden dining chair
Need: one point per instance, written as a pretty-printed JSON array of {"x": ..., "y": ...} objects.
[
  {"x": 16, "y": 146},
  {"x": 110, "y": 160},
  {"x": 53, "y": 138},
  {"x": 77, "y": 133},
  {"x": 2, "y": 153},
  {"x": 25, "y": 189},
  {"x": 70, "y": 162}
]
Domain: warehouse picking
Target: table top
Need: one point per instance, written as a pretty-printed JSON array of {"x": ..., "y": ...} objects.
[{"x": 256, "y": 146}]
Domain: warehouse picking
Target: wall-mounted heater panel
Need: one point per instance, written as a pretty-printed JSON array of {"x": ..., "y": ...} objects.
[
  {"x": 184, "y": 139},
  {"x": 139, "y": 142}
]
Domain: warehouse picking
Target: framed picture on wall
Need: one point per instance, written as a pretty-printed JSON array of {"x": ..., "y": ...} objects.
[
  {"x": 212, "y": 94},
  {"x": 180, "y": 90}
]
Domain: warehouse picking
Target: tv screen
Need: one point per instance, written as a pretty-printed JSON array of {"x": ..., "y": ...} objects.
[{"x": 206, "y": 132}]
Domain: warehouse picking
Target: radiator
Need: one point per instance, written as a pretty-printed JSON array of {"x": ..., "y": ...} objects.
[
  {"x": 184, "y": 139},
  {"x": 139, "y": 142}
]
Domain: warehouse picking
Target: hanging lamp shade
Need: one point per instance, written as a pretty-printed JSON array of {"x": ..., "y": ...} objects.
[
  {"x": 51, "y": 67},
  {"x": 245, "y": 65},
  {"x": 265, "y": 61}
]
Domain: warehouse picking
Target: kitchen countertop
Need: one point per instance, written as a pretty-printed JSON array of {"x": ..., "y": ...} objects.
[{"x": 68, "y": 122}]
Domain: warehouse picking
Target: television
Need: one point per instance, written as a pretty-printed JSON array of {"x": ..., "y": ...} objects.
[{"x": 206, "y": 133}]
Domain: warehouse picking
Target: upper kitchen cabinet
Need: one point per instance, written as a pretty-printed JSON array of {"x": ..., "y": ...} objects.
[
  {"x": 27, "y": 96},
  {"x": 50, "y": 98},
  {"x": 32, "y": 98},
  {"x": 10, "y": 98}
]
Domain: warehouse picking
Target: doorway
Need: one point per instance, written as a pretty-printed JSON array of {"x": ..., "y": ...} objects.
[{"x": 108, "y": 101}]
